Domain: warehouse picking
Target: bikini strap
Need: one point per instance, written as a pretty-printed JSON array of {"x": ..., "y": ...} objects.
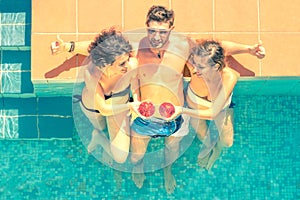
[{"x": 77, "y": 97}]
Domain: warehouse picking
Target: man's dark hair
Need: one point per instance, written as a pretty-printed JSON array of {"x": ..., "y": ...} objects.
[{"x": 160, "y": 14}]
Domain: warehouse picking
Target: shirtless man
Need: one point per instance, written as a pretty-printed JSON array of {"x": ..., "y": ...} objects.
[{"x": 162, "y": 57}]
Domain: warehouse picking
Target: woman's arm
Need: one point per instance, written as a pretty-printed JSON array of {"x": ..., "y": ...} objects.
[
  {"x": 230, "y": 78},
  {"x": 60, "y": 46},
  {"x": 135, "y": 81},
  {"x": 108, "y": 109},
  {"x": 232, "y": 48},
  {"x": 93, "y": 87}
]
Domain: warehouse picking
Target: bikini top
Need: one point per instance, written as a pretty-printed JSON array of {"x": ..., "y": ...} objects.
[
  {"x": 79, "y": 98},
  {"x": 119, "y": 94},
  {"x": 203, "y": 101}
]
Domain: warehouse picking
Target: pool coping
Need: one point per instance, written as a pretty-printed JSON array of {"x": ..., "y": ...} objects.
[{"x": 54, "y": 88}]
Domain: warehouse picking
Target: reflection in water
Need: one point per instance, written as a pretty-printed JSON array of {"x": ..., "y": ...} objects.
[
  {"x": 11, "y": 82},
  {"x": 9, "y": 123},
  {"x": 13, "y": 29}
]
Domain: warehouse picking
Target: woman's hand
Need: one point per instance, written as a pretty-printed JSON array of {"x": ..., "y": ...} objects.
[
  {"x": 258, "y": 50},
  {"x": 178, "y": 111},
  {"x": 134, "y": 110},
  {"x": 58, "y": 46},
  {"x": 133, "y": 107},
  {"x": 144, "y": 109}
]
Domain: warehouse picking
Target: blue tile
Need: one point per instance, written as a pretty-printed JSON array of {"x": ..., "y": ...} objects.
[
  {"x": 248, "y": 86},
  {"x": 55, "y": 127},
  {"x": 16, "y": 60},
  {"x": 13, "y": 18},
  {"x": 54, "y": 89},
  {"x": 13, "y": 6},
  {"x": 18, "y": 127},
  {"x": 277, "y": 86},
  {"x": 1, "y": 103},
  {"x": 28, "y": 127},
  {"x": 26, "y": 86},
  {"x": 20, "y": 106},
  {"x": 16, "y": 82},
  {"x": 1, "y": 125},
  {"x": 10, "y": 66},
  {"x": 11, "y": 82},
  {"x": 12, "y": 35},
  {"x": 55, "y": 106},
  {"x": 15, "y": 23},
  {"x": 28, "y": 34},
  {"x": 10, "y": 127},
  {"x": 295, "y": 90}
]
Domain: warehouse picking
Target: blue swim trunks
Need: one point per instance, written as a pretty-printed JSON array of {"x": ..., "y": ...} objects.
[{"x": 156, "y": 127}]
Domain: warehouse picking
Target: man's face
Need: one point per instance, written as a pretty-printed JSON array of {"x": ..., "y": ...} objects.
[{"x": 158, "y": 33}]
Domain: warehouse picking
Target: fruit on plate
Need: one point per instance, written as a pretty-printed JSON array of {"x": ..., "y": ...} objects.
[
  {"x": 166, "y": 109},
  {"x": 146, "y": 108}
]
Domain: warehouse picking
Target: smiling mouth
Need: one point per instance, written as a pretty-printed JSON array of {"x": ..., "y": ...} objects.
[
  {"x": 198, "y": 74},
  {"x": 156, "y": 43}
]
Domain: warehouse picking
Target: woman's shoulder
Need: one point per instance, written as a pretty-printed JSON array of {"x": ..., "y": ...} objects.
[{"x": 229, "y": 72}]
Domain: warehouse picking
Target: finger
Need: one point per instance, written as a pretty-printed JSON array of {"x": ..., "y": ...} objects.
[
  {"x": 165, "y": 119},
  {"x": 51, "y": 48},
  {"x": 54, "y": 47},
  {"x": 144, "y": 118},
  {"x": 169, "y": 118},
  {"x": 262, "y": 50},
  {"x": 59, "y": 39},
  {"x": 259, "y": 43},
  {"x": 259, "y": 55}
]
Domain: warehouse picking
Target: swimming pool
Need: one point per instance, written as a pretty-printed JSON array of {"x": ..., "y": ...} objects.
[{"x": 263, "y": 163}]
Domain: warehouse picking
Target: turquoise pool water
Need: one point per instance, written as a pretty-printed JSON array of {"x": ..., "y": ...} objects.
[{"x": 264, "y": 163}]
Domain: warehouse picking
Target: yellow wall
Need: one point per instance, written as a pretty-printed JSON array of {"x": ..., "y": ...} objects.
[{"x": 275, "y": 22}]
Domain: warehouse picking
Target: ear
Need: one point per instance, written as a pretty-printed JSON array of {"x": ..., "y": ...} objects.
[{"x": 217, "y": 67}]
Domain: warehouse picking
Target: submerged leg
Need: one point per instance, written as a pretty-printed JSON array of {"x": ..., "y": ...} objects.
[
  {"x": 138, "y": 175},
  {"x": 98, "y": 139},
  {"x": 119, "y": 134},
  {"x": 215, "y": 154},
  {"x": 224, "y": 123},
  {"x": 202, "y": 161},
  {"x": 139, "y": 146},
  {"x": 101, "y": 139},
  {"x": 169, "y": 179},
  {"x": 171, "y": 154}
]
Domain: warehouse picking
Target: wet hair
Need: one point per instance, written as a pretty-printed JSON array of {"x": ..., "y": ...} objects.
[
  {"x": 160, "y": 14},
  {"x": 107, "y": 46},
  {"x": 213, "y": 50}
]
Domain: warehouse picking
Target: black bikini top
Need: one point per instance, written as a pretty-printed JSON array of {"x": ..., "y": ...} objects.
[{"x": 122, "y": 93}]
